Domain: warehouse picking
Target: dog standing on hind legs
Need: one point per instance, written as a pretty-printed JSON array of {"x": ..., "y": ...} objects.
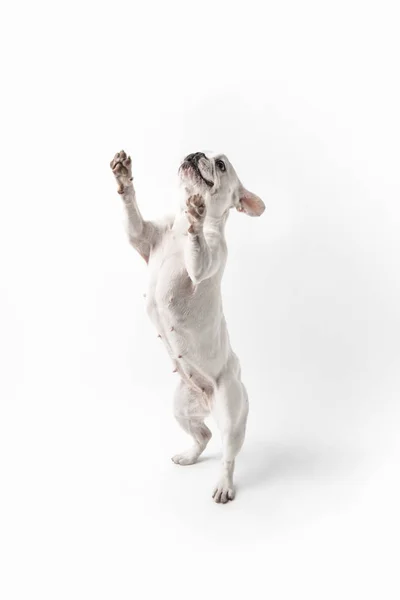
[{"x": 186, "y": 256}]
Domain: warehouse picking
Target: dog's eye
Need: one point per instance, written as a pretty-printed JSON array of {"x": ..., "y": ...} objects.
[{"x": 221, "y": 165}]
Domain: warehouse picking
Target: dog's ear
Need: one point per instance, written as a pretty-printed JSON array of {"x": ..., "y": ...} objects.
[{"x": 250, "y": 204}]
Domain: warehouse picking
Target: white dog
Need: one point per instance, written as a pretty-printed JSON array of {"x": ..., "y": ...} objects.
[{"x": 186, "y": 256}]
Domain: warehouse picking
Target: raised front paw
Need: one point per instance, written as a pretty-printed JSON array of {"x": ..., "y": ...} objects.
[
  {"x": 121, "y": 166},
  {"x": 196, "y": 213}
]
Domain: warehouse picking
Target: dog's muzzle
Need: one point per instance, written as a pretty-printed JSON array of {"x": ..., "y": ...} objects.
[{"x": 192, "y": 162}]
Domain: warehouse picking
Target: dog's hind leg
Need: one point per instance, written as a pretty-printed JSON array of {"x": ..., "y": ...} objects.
[
  {"x": 230, "y": 411},
  {"x": 190, "y": 412}
]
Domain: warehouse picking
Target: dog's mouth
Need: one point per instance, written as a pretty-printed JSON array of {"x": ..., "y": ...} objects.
[{"x": 190, "y": 167}]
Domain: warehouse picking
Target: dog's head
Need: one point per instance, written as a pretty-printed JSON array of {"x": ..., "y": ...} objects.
[{"x": 216, "y": 180}]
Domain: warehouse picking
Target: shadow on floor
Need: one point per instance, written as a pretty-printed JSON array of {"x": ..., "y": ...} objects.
[{"x": 263, "y": 462}]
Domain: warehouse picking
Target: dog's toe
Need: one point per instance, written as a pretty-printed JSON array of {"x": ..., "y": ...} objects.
[{"x": 223, "y": 493}]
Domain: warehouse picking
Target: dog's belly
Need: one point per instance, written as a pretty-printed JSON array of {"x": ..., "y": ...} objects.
[{"x": 188, "y": 318}]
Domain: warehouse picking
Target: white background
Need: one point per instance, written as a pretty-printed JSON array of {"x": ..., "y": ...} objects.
[{"x": 304, "y": 98}]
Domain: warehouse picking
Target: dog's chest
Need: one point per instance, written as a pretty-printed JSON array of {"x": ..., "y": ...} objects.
[{"x": 170, "y": 288}]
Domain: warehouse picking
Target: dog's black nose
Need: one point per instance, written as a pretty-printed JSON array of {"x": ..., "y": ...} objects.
[{"x": 195, "y": 157}]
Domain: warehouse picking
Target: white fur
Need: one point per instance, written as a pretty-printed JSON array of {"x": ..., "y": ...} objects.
[{"x": 186, "y": 256}]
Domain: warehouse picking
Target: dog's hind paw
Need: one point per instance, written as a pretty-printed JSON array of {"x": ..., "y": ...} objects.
[
  {"x": 186, "y": 458},
  {"x": 223, "y": 493}
]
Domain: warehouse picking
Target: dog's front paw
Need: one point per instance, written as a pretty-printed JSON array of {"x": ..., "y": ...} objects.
[
  {"x": 196, "y": 213},
  {"x": 121, "y": 166}
]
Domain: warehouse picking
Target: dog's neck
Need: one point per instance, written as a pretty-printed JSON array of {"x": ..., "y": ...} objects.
[{"x": 211, "y": 221}]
